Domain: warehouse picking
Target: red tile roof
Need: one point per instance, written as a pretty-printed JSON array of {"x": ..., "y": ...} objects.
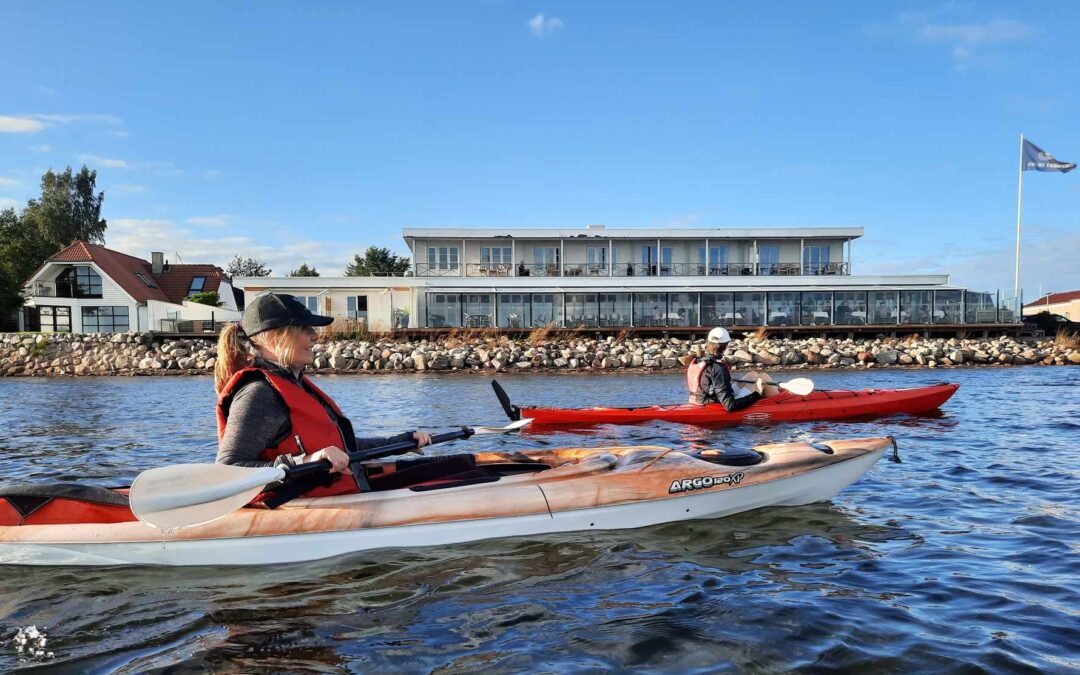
[
  {"x": 169, "y": 286},
  {"x": 1055, "y": 298}
]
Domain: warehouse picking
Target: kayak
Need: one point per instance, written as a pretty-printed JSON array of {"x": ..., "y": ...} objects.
[
  {"x": 440, "y": 500},
  {"x": 783, "y": 407}
]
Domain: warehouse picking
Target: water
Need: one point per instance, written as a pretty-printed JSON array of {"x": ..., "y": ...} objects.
[{"x": 964, "y": 557}]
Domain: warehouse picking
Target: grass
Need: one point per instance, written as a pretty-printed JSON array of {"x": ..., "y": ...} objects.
[
  {"x": 762, "y": 333},
  {"x": 1067, "y": 340}
]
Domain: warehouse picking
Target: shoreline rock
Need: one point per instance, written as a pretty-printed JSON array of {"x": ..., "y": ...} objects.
[{"x": 139, "y": 354}]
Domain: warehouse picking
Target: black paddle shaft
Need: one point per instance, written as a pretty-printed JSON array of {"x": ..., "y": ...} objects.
[{"x": 292, "y": 473}]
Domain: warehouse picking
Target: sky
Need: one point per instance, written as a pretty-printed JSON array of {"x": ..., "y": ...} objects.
[{"x": 305, "y": 132}]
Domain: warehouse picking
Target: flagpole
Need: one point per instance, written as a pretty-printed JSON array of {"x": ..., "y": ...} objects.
[{"x": 1019, "y": 204}]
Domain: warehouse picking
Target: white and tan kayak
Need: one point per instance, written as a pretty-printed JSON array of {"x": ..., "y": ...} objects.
[{"x": 438, "y": 501}]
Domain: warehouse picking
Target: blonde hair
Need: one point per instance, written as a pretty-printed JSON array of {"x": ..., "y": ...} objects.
[
  {"x": 715, "y": 348},
  {"x": 233, "y": 354}
]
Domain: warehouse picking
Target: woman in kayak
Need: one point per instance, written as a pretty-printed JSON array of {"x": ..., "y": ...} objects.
[
  {"x": 709, "y": 378},
  {"x": 269, "y": 413}
]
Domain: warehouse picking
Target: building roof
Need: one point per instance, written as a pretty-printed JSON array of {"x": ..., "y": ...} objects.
[
  {"x": 1055, "y": 298},
  {"x": 633, "y": 233},
  {"x": 125, "y": 270}
]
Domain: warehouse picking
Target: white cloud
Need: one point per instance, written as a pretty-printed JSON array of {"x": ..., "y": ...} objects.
[
  {"x": 70, "y": 119},
  {"x": 106, "y": 162},
  {"x": 129, "y": 188},
  {"x": 47, "y": 91},
  {"x": 7, "y": 203},
  {"x": 996, "y": 31},
  {"x": 212, "y": 173},
  {"x": 139, "y": 236},
  {"x": 542, "y": 27},
  {"x": 8, "y": 182},
  {"x": 951, "y": 26},
  {"x": 220, "y": 220},
  {"x": 19, "y": 125},
  {"x": 41, "y": 148},
  {"x": 119, "y": 134}
]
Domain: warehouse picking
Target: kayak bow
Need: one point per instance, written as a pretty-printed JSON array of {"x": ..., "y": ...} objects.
[{"x": 485, "y": 495}]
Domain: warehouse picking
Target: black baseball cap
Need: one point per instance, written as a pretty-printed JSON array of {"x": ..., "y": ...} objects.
[{"x": 277, "y": 310}]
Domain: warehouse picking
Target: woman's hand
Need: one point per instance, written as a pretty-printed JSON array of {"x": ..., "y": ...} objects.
[
  {"x": 422, "y": 438},
  {"x": 338, "y": 458}
]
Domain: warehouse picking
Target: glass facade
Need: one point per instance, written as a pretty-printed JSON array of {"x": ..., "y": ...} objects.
[
  {"x": 817, "y": 308},
  {"x": 784, "y": 308},
  {"x": 948, "y": 307},
  {"x": 526, "y": 311},
  {"x": 515, "y": 310},
  {"x": 916, "y": 306},
  {"x": 849, "y": 308}
]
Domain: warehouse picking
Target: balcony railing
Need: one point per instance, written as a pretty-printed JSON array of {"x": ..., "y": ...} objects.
[
  {"x": 429, "y": 270},
  {"x": 601, "y": 270},
  {"x": 489, "y": 270},
  {"x": 537, "y": 270}
]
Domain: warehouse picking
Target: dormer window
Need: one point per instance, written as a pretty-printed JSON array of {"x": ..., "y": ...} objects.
[
  {"x": 79, "y": 282},
  {"x": 197, "y": 284}
]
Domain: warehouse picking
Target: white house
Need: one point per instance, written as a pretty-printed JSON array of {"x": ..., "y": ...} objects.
[
  {"x": 613, "y": 278},
  {"x": 86, "y": 288},
  {"x": 1066, "y": 304}
]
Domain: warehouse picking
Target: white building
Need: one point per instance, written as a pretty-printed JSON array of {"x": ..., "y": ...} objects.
[
  {"x": 1063, "y": 304},
  {"x": 615, "y": 278},
  {"x": 87, "y": 288}
]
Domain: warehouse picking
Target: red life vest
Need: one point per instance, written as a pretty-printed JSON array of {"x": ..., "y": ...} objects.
[
  {"x": 311, "y": 424},
  {"x": 693, "y": 376}
]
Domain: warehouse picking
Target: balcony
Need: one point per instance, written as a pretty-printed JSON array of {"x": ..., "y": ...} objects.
[
  {"x": 488, "y": 270},
  {"x": 429, "y": 270},
  {"x": 680, "y": 269}
]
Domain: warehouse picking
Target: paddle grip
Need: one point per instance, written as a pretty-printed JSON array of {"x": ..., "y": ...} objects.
[{"x": 292, "y": 473}]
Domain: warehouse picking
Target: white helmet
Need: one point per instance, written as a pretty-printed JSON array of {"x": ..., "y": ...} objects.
[{"x": 719, "y": 335}]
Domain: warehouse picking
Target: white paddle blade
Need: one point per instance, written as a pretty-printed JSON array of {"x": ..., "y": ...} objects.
[
  {"x": 513, "y": 426},
  {"x": 184, "y": 495},
  {"x": 800, "y": 386}
]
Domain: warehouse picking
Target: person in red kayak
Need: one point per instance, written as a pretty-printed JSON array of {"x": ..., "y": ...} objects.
[
  {"x": 709, "y": 377},
  {"x": 270, "y": 413}
]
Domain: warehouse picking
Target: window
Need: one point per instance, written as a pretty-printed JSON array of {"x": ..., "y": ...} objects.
[
  {"x": 768, "y": 259},
  {"x": 546, "y": 255},
  {"x": 815, "y": 259},
  {"x": 309, "y": 301},
  {"x": 444, "y": 310},
  {"x": 105, "y": 319},
  {"x": 514, "y": 310},
  {"x": 55, "y": 319},
  {"x": 146, "y": 280},
  {"x": 356, "y": 306},
  {"x": 492, "y": 256},
  {"x": 596, "y": 255},
  {"x": 197, "y": 284},
  {"x": 717, "y": 258},
  {"x": 442, "y": 257},
  {"x": 783, "y": 309},
  {"x": 79, "y": 282}
]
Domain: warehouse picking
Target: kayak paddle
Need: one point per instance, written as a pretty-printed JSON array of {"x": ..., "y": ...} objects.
[
  {"x": 183, "y": 495},
  {"x": 800, "y": 386}
]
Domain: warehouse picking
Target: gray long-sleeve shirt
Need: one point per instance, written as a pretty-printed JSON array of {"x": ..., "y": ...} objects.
[
  {"x": 259, "y": 419},
  {"x": 716, "y": 387}
]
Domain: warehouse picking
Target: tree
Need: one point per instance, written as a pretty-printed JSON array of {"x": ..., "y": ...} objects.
[
  {"x": 247, "y": 267},
  {"x": 304, "y": 271},
  {"x": 67, "y": 211},
  {"x": 206, "y": 298},
  {"x": 377, "y": 262}
]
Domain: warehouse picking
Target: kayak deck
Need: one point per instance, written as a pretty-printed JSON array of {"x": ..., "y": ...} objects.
[
  {"x": 783, "y": 407},
  {"x": 582, "y": 488}
]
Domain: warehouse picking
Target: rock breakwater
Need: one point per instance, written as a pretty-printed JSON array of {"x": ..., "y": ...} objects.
[{"x": 25, "y": 354}]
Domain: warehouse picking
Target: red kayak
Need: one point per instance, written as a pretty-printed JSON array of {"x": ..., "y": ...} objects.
[{"x": 784, "y": 407}]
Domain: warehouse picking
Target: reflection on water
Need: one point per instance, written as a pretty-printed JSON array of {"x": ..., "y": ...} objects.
[{"x": 964, "y": 555}]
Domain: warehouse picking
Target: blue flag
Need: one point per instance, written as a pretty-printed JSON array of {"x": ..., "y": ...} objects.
[{"x": 1036, "y": 159}]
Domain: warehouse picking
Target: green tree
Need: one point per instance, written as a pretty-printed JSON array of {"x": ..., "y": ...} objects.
[
  {"x": 247, "y": 267},
  {"x": 304, "y": 271},
  {"x": 377, "y": 262},
  {"x": 207, "y": 298},
  {"x": 67, "y": 211}
]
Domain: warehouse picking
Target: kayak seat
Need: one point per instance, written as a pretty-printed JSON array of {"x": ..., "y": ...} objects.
[
  {"x": 416, "y": 471},
  {"x": 62, "y": 504}
]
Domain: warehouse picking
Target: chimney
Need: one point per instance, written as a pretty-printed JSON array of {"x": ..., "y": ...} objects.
[
  {"x": 594, "y": 226},
  {"x": 157, "y": 262}
]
